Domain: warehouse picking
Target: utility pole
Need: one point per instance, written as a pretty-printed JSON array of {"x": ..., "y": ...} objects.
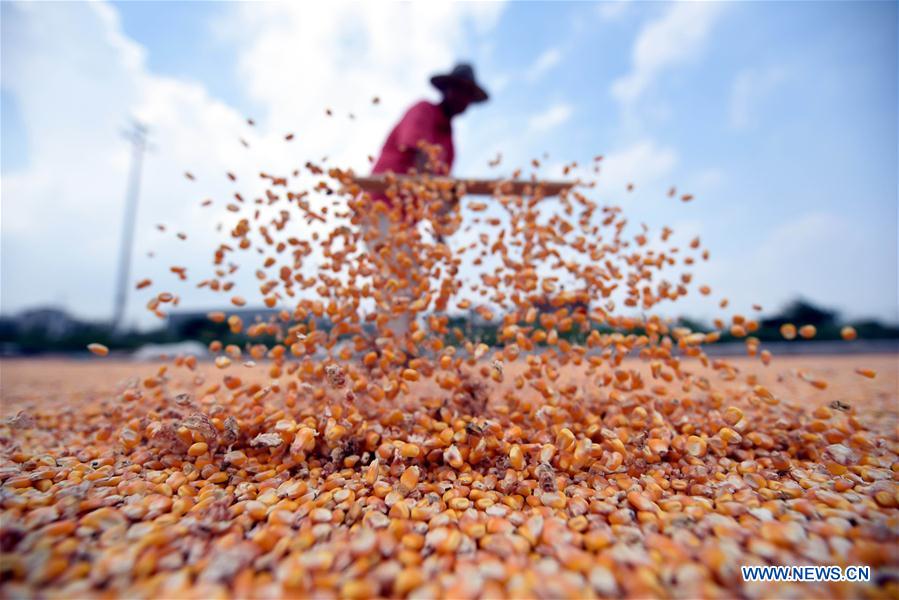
[{"x": 137, "y": 135}]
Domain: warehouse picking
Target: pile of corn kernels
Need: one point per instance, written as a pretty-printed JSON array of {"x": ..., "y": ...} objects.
[{"x": 594, "y": 450}]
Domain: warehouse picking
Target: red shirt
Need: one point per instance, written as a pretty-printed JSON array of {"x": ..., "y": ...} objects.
[{"x": 423, "y": 122}]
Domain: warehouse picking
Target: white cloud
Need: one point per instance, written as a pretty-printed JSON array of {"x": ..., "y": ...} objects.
[
  {"x": 611, "y": 10},
  {"x": 751, "y": 89},
  {"x": 79, "y": 79},
  {"x": 553, "y": 116},
  {"x": 817, "y": 255},
  {"x": 643, "y": 163},
  {"x": 298, "y": 58},
  {"x": 546, "y": 61},
  {"x": 675, "y": 38}
]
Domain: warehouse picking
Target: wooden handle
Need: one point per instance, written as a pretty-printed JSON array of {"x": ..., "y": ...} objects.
[{"x": 475, "y": 187}]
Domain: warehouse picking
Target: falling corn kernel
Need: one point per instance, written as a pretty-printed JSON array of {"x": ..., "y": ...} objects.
[
  {"x": 848, "y": 333},
  {"x": 788, "y": 331},
  {"x": 98, "y": 349}
]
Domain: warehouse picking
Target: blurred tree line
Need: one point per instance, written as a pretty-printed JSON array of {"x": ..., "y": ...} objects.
[
  {"x": 50, "y": 330},
  {"x": 827, "y": 322}
]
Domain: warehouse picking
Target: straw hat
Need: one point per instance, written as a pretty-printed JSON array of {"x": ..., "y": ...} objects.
[{"x": 461, "y": 76}]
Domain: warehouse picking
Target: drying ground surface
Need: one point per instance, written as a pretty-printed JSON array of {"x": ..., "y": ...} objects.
[
  {"x": 49, "y": 385},
  {"x": 88, "y": 512}
]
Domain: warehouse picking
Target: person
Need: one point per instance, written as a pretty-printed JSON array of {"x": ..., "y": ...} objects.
[
  {"x": 422, "y": 142},
  {"x": 430, "y": 123}
]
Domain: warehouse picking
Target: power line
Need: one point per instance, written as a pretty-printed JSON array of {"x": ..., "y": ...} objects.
[{"x": 137, "y": 135}]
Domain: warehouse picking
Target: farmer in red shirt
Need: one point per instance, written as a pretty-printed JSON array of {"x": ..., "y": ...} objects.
[
  {"x": 422, "y": 142},
  {"x": 430, "y": 123}
]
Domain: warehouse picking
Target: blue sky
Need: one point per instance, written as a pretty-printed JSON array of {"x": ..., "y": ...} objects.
[{"x": 780, "y": 117}]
